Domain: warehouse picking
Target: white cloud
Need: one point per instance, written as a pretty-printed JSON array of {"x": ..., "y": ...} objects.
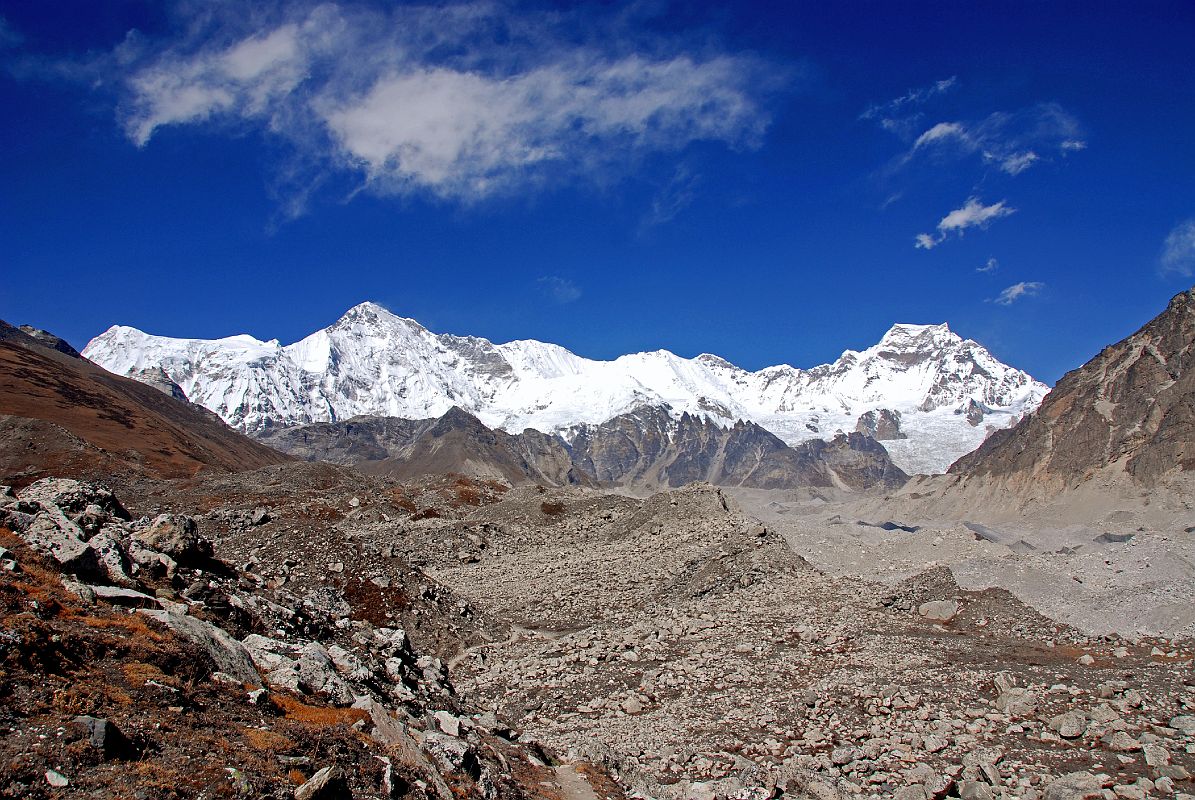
[
  {"x": 1012, "y": 142},
  {"x": 900, "y": 115},
  {"x": 926, "y": 241},
  {"x": 1017, "y": 163},
  {"x": 559, "y": 290},
  {"x": 431, "y": 99},
  {"x": 1019, "y": 290},
  {"x": 943, "y": 131},
  {"x": 972, "y": 214},
  {"x": 991, "y": 265},
  {"x": 1178, "y": 251}
]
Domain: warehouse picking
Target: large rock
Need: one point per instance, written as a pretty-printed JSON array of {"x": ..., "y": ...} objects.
[
  {"x": 175, "y": 535},
  {"x": 327, "y": 784},
  {"x": 1016, "y": 702},
  {"x": 73, "y": 496},
  {"x": 226, "y": 653},
  {"x": 67, "y": 547},
  {"x": 1074, "y": 786},
  {"x": 111, "y": 557},
  {"x": 939, "y": 610}
]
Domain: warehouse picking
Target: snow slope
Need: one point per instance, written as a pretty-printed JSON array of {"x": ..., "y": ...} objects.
[{"x": 374, "y": 362}]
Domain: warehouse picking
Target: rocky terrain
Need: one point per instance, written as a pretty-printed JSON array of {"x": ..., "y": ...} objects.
[
  {"x": 303, "y": 623},
  {"x": 724, "y": 665},
  {"x": 136, "y": 661},
  {"x": 948, "y": 393},
  {"x": 646, "y": 449}
]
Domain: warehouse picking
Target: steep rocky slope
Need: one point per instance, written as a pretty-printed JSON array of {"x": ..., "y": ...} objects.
[
  {"x": 950, "y": 392},
  {"x": 1130, "y": 410},
  {"x": 647, "y": 448},
  {"x": 61, "y": 414}
]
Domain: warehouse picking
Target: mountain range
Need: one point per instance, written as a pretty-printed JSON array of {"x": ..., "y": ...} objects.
[
  {"x": 648, "y": 448},
  {"x": 929, "y": 394}
]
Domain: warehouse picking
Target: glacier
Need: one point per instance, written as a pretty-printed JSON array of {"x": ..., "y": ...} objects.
[{"x": 949, "y": 392}]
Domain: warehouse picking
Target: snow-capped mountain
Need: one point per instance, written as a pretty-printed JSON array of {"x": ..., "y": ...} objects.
[{"x": 944, "y": 392}]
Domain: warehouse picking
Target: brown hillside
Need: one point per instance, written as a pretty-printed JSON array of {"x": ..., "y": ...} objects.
[{"x": 93, "y": 422}]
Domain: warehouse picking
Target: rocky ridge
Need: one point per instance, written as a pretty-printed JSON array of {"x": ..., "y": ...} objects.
[
  {"x": 1130, "y": 409},
  {"x": 61, "y": 414},
  {"x": 644, "y": 449}
]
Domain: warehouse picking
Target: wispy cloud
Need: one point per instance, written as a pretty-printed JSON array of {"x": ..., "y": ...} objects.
[
  {"x": 559, "y": 290},
  {"x": 1012, "y": 142},
  {"x": 1019, "y": 290},
  {"x": 901, "y": 115},
  {"x": 972, "y": 214},
  {"x": 672, "y": 198},
  {"x": 9, "y": 36},
  {"x": 461, "y": 101},
  {"x": 991, "y": 265},
  {"x": 1178, "y": 251}
]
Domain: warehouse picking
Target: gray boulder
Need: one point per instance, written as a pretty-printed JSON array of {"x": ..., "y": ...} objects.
[
  {"x": 175, "y": 535},
  {"x": 939, "y": 610},
  {"x": 1074, "y": 786},
  {"x": 66, "y": 547},
  {"x": 110, "y": 557},
  {"x": 226, "y": 653},
  {"x": 73, "y": 496}
]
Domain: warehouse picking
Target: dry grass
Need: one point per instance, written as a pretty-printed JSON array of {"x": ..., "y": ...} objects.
[
  {"x": 131, "y": 624},
  {"x": 551, "y": 509},
  {"x": 138, "y": 672},
  {"x": 320, "y": 716},
  {"x": 267, "y": 740}
]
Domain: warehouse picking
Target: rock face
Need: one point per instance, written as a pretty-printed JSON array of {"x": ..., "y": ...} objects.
[
  {"x": 61, "y": 414},
  {"x": 1132, "y": 407},
  {"x": 373, "y": 363},
  {"x": 47, "y": 339},
  {"x": 157, "y": 378},
  {"x": 649, "y": 447},
  {"x": 652, "y": 447},
  {"x": 881, "y": 425}
]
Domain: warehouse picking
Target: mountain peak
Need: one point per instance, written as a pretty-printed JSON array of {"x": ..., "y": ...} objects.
[
  {"x": 372, "y": 362},
  {"x": 371, "y": 315},
  {"x": 905, "y": 333}
]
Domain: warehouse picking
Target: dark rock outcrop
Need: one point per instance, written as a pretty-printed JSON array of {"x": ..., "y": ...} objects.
[
  {"x": 648, "y": 447},
  {"x": 47, "y": 339},
  {"x": 456, "y": 442},
  {"x": 882, "y": 425}
]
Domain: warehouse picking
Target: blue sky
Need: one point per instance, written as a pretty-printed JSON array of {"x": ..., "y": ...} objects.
[{"x": 770, "y": 182}]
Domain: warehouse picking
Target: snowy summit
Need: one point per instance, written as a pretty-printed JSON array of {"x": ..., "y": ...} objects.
[{"x": 929, "y": 394}]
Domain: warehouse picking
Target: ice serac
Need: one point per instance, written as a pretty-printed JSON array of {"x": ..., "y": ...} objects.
[{"x": 949, "y": 393}]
